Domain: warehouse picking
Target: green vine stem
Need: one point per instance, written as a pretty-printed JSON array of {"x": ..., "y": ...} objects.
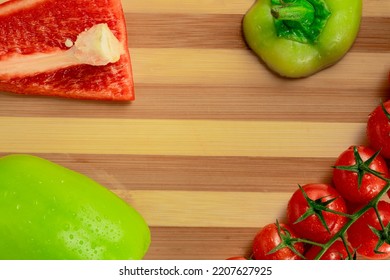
[
  {"x": 341, "y": 234},
  {"x": 373, "y": 203}
]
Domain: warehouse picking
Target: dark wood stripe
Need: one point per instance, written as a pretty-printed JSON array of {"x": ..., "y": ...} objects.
[
  {"x": 184, "y": 31},
  {"x": 374, "y": 35},
  {"x": 185, "y": 173},
  {"x": 225, "y": 31},
  {"x": 192, "y": 243},
  {"x": 175, "y": 243},
  {"x": 286, "y": 101}
]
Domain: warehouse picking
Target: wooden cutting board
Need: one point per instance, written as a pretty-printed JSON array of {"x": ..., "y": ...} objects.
[{"x": 215, "y": 144}]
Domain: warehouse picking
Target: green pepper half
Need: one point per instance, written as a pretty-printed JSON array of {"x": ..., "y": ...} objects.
[
  {"x": 49, "y": 212},
  {"x": 297, "y": 38}
]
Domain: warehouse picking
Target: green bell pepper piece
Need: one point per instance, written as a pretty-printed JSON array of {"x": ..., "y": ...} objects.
[
  {"x": 49, "y": 212},
  {"x": 297, "y": 38}
]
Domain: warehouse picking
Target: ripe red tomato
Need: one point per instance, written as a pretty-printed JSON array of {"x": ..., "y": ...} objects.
[
  {"x": 358, "y": 158},
  {"x": 312, "y": 227},
  {"x": 378, "y": 129},
  {"x": 336, "y": 251},
  {"x": 268, "y": 238},
  {"x": 362, "y": 237}
]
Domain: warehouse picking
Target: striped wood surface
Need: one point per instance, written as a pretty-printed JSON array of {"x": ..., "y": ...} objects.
[{"x": 214, "y": 144}]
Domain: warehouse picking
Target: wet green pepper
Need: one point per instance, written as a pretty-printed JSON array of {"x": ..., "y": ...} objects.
[
  {"x": 297, "y": 38},
  {"x": 50, "y": 212}
]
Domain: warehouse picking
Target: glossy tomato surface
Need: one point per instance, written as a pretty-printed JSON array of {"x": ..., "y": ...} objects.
[
  {"x": 346, "y": 182},
  {"x": 268, "y": 238},
  {"x": 337, "y": 251},
  {"x": 312, "y": 227},
  {"x": 363, "y": 238},
  {"x": 378, "y": 129}
]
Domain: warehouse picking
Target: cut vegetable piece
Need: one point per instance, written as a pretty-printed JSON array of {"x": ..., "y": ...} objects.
[
  {"x": 96, "y": 46},
  {"x": 73, "y": 49}
]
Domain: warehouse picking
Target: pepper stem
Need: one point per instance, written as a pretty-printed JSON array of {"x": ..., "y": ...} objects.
[
  {"x": 301, "y": 11},
  {"x": 300, "y": 20}
]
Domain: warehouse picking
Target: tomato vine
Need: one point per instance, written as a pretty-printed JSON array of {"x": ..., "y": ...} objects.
[
  {"x": 352, "y": 218},
  {"x": 316, "y": 207},
  {"x": 320, "y": 224}
]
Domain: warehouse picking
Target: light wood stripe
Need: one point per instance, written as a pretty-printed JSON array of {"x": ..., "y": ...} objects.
[
  {"x": 373, "y": 8},
  {"x": 207, "y": 209},
  {"x": 230, "y": 68},
  {"x": 177, "y": 137},
  {"x": 187, "y": 6},
  {"x": 214, "y": 144}
]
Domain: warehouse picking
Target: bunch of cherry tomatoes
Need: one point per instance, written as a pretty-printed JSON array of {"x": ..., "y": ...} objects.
[{"x": 342, "y": 220}]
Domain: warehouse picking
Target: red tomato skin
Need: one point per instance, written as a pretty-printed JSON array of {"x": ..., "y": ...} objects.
[
  {"x": 346, "y": 182},
  {"x": 312, "y": 228},
  {"x": 336, "y": 251},
  {"x": 361, "y": 237},
  {"x": 378, "y": 130},
  {"x": 268, "y": 238}
]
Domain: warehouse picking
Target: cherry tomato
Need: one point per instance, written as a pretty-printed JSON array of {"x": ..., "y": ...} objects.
[
  {"x": 363, "y": 237},
  {"x": 271, "y": 236},
  {"x": 351, "y": 178},
  {"x": 378, "y": 129},
  {"x": 336, "y": 251},
  {"x": 305, "y": 214}
]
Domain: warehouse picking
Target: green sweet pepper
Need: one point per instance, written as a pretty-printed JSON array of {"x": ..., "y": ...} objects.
[
  {"x": 49, "y": 212},
  {"x": 297, "y": 38}
]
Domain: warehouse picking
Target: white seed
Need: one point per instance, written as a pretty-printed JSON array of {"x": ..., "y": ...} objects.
[{"x": 68, "y": 43}]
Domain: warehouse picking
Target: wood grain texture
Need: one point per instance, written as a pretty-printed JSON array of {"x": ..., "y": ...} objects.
[
  {"x": 371, "y": 7},
  {"x": 223, "y": 31},
  {"x": 190, "y": 242},
  {"x": 186, "y": 173},
  {"x": 178, "y": 137},
  {"x": 214, "y": 144}
]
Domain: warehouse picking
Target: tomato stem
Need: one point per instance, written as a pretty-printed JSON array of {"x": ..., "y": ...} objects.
[
  {"x": 300, "y": 20},
  {"x": 361, "y": 167},
  {"x": 286, "y": 241},
  {"x": 344, "y": 240},
  {"x": 341, "y": 234},
  {"x": 385, "y": 111},
  {"x": 317, "y": 206},
  {"x": 379, "y": 218},
  {"x": 307, "y": 241}
]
